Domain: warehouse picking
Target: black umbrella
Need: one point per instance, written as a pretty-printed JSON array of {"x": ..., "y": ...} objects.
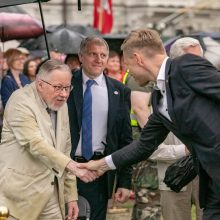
[
  {"x": 63, "y": 40},
  {"x": 86, "y": 30},
  {"x": 82, "y": 29},
  {"x": 115, "y": 41}
]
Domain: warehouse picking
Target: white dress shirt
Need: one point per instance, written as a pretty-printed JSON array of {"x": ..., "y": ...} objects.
[
  {"x": 99, "y": 113},
  {"x": 163, "y": 106}
]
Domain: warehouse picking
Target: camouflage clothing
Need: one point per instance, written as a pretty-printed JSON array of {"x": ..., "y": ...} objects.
[
  {"x": 145, "y": 186},
  {"x": 147, "y": 194},
  {"x": 145, "y": 179}
]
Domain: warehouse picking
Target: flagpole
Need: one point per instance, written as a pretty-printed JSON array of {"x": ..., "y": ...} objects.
[{"x": 101, "y": 9}]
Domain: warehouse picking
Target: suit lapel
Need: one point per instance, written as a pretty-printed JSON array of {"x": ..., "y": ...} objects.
[
  {"x": 155, "y": 103},
  {"x": 169, "y": 96},
  {"x": 45, "y": 114},
  {"x": 78, "y": 95},
  {"x": 58, "y": 130},
  {"x": 113, "y": 102}
]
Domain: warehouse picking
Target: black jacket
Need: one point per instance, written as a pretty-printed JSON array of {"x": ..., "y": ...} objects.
[
  {"x": 119, "y": 131},
  {"x": 193, "y": 96}
]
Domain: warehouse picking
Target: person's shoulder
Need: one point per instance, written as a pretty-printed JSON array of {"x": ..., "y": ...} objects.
[
  {"x": 7, "y": 78},
  {"x": 24, "y": 78},
  {"x": 191, "y": 61},
  {"x": 76, "y": 75},
  {"x": 114, "y": 82},
  {"x": 21, "y": 100},
  {"x": 189, "y": 58},
  {"x": 22, "y": 95}
]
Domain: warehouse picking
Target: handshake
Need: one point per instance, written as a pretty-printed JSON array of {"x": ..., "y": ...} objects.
[{"x": 89, "y": 171}]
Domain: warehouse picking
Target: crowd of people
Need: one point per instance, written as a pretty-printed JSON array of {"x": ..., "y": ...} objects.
[{"x": 66, "y": 121}]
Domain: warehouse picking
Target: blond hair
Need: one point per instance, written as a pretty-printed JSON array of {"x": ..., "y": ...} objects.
[
  {"x": 147, "y": 40},
  {"x": 11, "y": 54}
]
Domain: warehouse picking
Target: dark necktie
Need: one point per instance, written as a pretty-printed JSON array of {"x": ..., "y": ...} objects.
[
  {"x": 53, "y": 117},
  {"x": 87, "y": 122}
]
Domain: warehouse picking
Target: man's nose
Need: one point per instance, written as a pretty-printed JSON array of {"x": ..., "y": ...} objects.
[
  {"x": 98, "y": 58},
  {"x": 64, "y": 93}
]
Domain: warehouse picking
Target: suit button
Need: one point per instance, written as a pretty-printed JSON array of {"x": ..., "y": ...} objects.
[{"x": 52, "y": 183}]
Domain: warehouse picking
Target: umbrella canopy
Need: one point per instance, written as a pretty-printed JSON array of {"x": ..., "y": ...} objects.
[
  {"x": 63, "y": 40},
  {"x": 16, "y": 23},
  {"x": 84, "y": 30},
  {"x": 5, "y": 3},
  {"x": 18, "y": 26}
]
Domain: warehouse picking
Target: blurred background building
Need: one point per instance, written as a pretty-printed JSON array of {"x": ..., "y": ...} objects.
[{"x": 170, "y": 17}]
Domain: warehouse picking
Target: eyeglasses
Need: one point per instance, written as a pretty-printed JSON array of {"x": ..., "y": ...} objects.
[{"x": 59, "y": 88}]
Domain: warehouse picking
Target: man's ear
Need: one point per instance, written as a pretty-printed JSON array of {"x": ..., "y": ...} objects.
[
  {"x": 39, "y": 84},
  {"x": 139, "y": 58},
  {"x": 80, "y": 57}
]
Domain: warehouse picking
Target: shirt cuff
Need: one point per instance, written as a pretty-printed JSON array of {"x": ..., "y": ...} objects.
[{"x": 109, "y": 161}]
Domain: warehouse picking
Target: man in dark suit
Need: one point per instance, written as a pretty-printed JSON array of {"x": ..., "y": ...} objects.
[
  {"x": 99, "y": 124},
  {"x": 186, "y": 101}
]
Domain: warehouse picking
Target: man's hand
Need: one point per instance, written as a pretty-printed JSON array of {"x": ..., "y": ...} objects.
[
  {"x": 73, "y": 210},
  {"x": 84, "y": 174},
  {"x": 122, "y": 195},
  {"x": 100, "y": 166}
]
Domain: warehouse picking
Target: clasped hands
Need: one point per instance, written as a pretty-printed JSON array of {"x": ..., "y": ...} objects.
[{"x": 89, "y": 171}]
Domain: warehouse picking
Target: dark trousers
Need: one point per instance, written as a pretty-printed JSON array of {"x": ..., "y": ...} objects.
[
  {"x": 212, "y": 206},
  {"x": 97, "y": 196},
  {"x": 211, "y": 214}
]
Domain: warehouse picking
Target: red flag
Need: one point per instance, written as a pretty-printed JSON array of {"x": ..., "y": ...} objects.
[{"x": 103, "y": 19}]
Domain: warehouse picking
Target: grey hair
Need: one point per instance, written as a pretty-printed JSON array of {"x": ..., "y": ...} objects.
[
  {"x": 92, "y": 40},
  {"x": 48, "y": 66},
  {"x": 177, "y": 48}
]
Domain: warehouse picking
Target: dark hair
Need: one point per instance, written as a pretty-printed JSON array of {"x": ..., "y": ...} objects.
[
  {"x": 113, "y": 53},
  {"x": 26, "y": 64},
  {"x": 71, "y": 57}
]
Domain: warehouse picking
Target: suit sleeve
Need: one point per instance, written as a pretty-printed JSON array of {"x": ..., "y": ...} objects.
[
  {"x": 200, "y": 75},
  {"x": 70, "y": 188},
  {"x": 125, "y": 174},
  {"x": 152, "y": 135},
  {"x": 7, "y": 88}
]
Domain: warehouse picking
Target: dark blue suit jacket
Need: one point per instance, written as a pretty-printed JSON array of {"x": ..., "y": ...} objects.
[
  {"x": 193, "y": 95},
  {"x": 119, "y": 131},
  {"x": 9, "y": 85}
]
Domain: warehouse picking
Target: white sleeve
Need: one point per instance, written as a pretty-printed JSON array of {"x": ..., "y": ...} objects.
[
  {"x": 109, "y": 161},
  {"x": 167, "y": 152}
]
